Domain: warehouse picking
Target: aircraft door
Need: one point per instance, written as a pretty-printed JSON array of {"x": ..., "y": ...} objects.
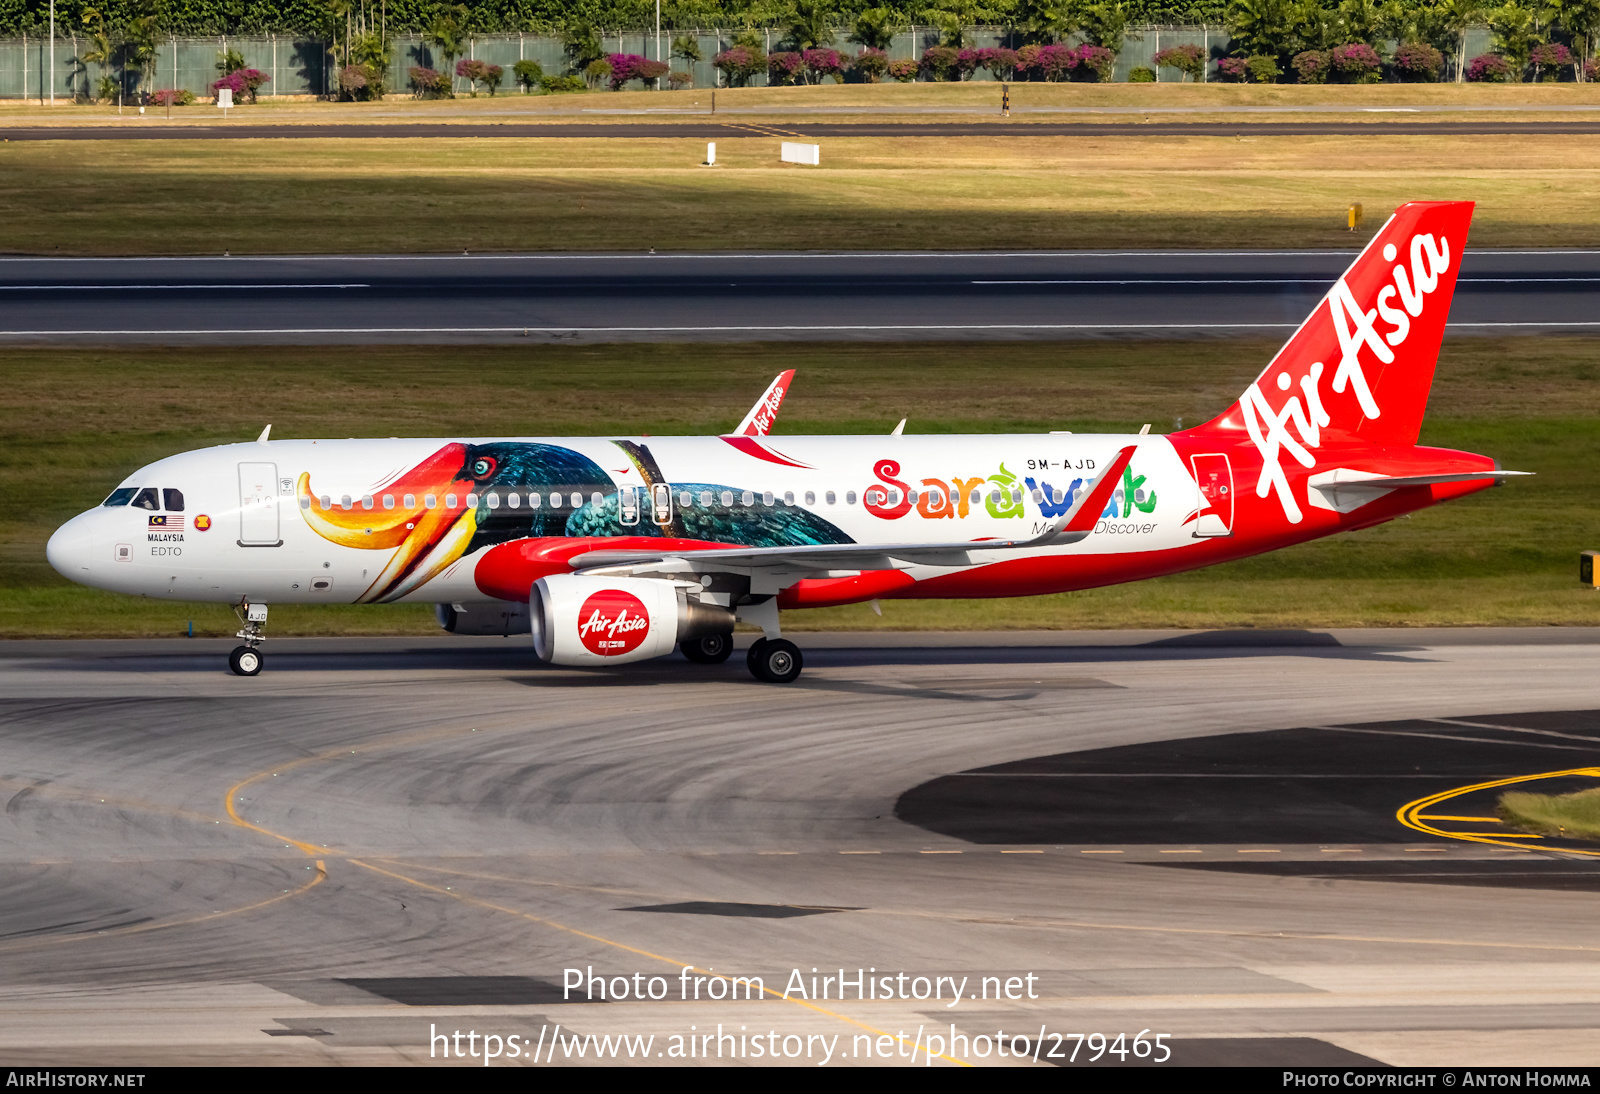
[
  {"x": 258, "y": 505},
  {"x": 1214, "y": 476},
  {"x": 661, "y": 502},
  {"x": 628, "y": 504}
]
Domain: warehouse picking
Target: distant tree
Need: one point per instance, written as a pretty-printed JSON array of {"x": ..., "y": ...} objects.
[
  {"x": 1360, "y": 21},
  {"x": 580, "y": 41},
  {"x": 1105, "y": 24},
  {"x": 687, "y": 46},
  {"x": 811, "y": 23},
  {"x": 1515, "y": 34},
  {"x": 447, "y": 33},
  {"x": 1456, "y": 17},
  {"x": 875, "y": 28},
  {"x": 1046, "y": 20},
  {"x": 1259, "y": 27},
  {"x": 101, "y": 49}
]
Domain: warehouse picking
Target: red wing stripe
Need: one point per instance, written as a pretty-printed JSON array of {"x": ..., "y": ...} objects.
[{"x": 752, "y": 447}]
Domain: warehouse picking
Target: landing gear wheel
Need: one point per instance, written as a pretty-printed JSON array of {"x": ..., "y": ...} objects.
[
  {"x": 708, "y": 649},
  {"x": 775, "y": 661},
  {"x": 245, "y": 661}
]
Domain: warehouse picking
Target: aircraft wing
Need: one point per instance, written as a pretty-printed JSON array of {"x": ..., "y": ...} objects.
[{"x": 1070, "y": 527}]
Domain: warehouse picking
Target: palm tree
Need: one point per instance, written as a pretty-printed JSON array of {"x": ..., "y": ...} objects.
[
  {"x": 811, "y": 23},
  {"x": 1046, "y": 20},
  {"x": 448, "y": 34},
  {"x": 1105, "y": 24},
  {"x": 875, "y": 28},
  {"x": 1457, "y": 16},
  {"x": 581, "y": 43},
  {"x": 687, "y": 46},
  {"x": 1359, "y": 21},
  {"x": 1261, "y": 27},
  {"x": 1515, "y": 34},
  {"x": 142, "y": 45},
  {"x": 1581, "y": 19},
  {"x": 102, "y": 50}
]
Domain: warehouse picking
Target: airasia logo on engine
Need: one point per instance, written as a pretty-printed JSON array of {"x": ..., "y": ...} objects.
[{"x": 612, "y": 623}]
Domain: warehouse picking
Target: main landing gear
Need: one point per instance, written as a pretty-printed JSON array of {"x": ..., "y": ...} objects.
[
  {"x": 245, "y": 660},
  {"x": 774, "y": 660},
  {"x": 708, "y": 649}
]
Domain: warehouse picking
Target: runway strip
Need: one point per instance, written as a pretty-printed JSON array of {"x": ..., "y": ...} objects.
[
  {"x": 1190, "y": 834},
  {"x": 152, "y": 129},
  {"x": 741, "y": 297}
]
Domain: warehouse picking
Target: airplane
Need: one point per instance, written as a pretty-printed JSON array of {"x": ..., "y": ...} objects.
[{"x": 610, "y": 550}]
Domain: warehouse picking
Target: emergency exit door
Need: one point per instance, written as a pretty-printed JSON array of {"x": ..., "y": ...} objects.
[
  {"x": 258, "y": 505},
  {"x": 1214, "y": 476}
]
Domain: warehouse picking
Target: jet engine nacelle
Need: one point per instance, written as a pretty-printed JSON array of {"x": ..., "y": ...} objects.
[
  {"x": 578, "y": 619},
  {"x": 502, "y": 617}
]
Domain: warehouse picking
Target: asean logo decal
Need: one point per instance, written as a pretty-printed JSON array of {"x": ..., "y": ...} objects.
[
  {"x": 612, "y": 623},
  {"x": 202, "y": 523}
]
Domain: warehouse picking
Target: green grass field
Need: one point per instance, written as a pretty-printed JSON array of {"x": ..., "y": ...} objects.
[
  {"x": 443, "y": 195},
  {"x": 1576, "y": 814},
  {"x": 73, "y": 423}
]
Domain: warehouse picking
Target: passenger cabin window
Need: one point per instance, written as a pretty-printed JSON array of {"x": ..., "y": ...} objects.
[
  {"x": 555, "y": 499},
  {"x": 449, "y": 501},
  {"x": 431, "y": 501},
  {"x": 788, "y": 497},
  {"x": 174, "y": 499},
  {"x": 409, "y": 501},
  {"x": 366, "y": 501},
  {"x": 727, "y": 498},
  {"x": 811, "y": 497},
  {"x": 492, "y": 500},
  {"x": 748, "y": 497},
  {"x": 684, "y": 498},
  {"x": 849, "y": 497},
  {"x": 576, "y": 499},
  {"x": 147, "y": 499},
  {"x": 831, "y": 496},
  {"x": 472, "y": 501},
  {"x": 597, "y": 498},
  {"x": 388, "y": 501},
  {"x": 705, "y": 498},
  {"x": 121, "y": 496},
  {"x": 534, "y": 500},
  {"x": 514, "y": 500}
]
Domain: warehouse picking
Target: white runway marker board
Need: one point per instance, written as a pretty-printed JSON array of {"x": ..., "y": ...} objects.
[{"x": 794, "y": 152}]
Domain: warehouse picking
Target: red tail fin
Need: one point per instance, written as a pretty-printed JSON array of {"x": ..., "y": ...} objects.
[
  {"x": 1361, "y": 365},
  {"x": 1359, "y": 369}
]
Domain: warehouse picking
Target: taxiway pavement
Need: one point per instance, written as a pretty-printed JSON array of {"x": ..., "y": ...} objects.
[
  {"x": 742, "y": 297},
  {"x": 376, "y": 840}
]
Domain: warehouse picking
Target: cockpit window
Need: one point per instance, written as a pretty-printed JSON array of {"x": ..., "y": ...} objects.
[
  {"x": 147, "y": 499},
  {"x": 122, "y": 495},
  {"x": 174, "y": 499}
]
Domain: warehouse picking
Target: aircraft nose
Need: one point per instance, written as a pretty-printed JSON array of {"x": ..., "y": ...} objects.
[{"x": 71, "y": 548}]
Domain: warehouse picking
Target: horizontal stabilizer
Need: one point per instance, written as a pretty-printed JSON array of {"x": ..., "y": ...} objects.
[{"x": 1343, "y": 490}]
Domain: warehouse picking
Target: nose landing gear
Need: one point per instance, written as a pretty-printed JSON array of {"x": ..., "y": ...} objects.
[{"x": 245, "y": 660}]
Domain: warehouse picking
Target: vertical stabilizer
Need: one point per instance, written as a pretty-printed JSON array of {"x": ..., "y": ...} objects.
[{"x": 1361, "y": 365}]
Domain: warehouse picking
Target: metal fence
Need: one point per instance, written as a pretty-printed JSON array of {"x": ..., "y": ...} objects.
[{"x": 31, "y": 68}]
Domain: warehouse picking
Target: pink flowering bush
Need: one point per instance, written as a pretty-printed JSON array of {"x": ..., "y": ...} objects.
[
  {"x": 170, "y": 96},
  {"x": 739, "y": 64},
  {"x": 824, "y": 62},
  {"x": 1418, "y": 62},
  {"x": 1591, "y": 71},
  {"x": 1312, "y": 66},
  {"x": 426, "y": 83},
  {"x": 481, "y": 74},
  {"x": 1095, "y": 64},
  {"x": 904, "y": 71},
  {"x": 1187, "y": 59},
  {"x": 784, "y": 68},
  {"x": 1490, "y": 68},
  {"x": 939, "y": 62},
  {"x": 1001, "y": 62},
  {"x": 1233, "y": 70},
  {"x": 1355, "y": 62},
  {"x": 631, "y": 66},
  {"x": 1055, "y": 63},
  {"x": 873, "y": 64},
  {"x": 1552, "y": 55},
  {"x": 243, "y": 83}
]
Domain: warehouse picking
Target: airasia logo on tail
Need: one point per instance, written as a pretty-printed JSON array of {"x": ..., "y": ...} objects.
[{"x": 612, "y": 623}]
